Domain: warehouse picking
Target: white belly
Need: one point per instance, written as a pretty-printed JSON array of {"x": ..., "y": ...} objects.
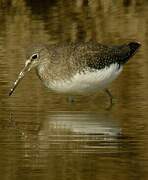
[{"x": 88, "y": 81}]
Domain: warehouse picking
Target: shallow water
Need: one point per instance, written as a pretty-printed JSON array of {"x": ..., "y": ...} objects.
[{"x": 42, "y": 135}]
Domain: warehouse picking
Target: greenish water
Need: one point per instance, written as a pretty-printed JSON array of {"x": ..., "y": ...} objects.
[{"x": 42, "y": 136}]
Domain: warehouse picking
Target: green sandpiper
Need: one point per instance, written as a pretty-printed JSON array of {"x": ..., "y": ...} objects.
[{"x": 77, "y": 68}]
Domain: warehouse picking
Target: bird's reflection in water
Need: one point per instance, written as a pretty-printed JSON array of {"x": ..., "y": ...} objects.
[
  {"x": 80, "y": 132},
  {"x": 65, "y": 142}
]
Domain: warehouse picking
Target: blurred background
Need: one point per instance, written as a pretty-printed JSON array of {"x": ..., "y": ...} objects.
[{"x": 42, "y": 136}]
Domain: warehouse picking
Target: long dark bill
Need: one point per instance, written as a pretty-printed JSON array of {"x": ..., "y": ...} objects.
[{"x": 20, "y": 77}]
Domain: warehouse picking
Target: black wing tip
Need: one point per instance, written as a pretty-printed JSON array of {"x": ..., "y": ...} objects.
[{"x": 134, "y": 45}]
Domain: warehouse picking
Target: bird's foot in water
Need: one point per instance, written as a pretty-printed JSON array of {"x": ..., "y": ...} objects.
[
  {"x": 71, "y": 99},
  {"x": 111, "y": 99}
]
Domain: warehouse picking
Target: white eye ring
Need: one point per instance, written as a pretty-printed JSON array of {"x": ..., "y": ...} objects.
[{"x": 34, "y": 56}]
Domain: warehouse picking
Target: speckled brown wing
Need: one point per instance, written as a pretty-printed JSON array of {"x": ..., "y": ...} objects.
[{"x": 98, "y": 56}]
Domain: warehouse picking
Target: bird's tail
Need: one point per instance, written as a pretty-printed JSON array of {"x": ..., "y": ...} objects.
[
  {"x": 127, "y": 51},
  {"x": 133, "y": 47}
]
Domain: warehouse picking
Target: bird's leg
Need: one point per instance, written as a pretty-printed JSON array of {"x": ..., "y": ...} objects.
[
  {"x": 110, "y": 96},
  {"x": 71, "y": 99}
]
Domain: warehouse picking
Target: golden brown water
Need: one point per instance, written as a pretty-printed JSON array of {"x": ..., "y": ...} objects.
[{"x": 42, "y": 136}]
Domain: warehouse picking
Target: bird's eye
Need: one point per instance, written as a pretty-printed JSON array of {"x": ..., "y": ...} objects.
[{"x": 34, "y": 56}]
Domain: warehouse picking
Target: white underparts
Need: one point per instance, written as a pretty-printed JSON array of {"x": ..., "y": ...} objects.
[{"x": 89, "y": 81}]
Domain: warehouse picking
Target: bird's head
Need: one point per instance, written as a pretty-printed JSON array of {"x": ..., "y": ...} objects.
[{"x": 35, "y": 56}]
